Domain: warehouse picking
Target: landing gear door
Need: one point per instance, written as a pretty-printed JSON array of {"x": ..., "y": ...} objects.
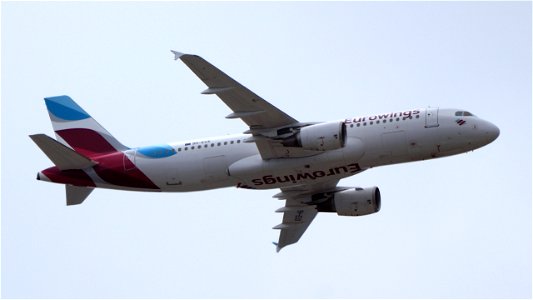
[{"x": 432, "y": 117}]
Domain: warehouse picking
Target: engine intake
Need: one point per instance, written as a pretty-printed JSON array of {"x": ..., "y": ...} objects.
[
  {"x": 351, "y": 202},
  {"x": 319, "y": 137}
]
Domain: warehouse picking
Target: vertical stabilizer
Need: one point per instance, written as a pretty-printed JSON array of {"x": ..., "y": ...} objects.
[{"x": 74, "y": 127}]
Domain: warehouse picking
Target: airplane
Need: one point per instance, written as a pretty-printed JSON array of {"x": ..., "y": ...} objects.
[{"x": 305, "y": 160}]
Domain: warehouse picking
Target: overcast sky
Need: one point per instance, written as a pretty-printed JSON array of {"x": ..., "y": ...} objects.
[{"x": 456, "y": 227}]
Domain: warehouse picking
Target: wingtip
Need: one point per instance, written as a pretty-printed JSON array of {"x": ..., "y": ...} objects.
[
  {"x": 278, "y": 248},
  {"x": 177, "y": 54}
]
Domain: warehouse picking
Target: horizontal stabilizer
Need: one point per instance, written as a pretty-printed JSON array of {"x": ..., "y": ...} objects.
[
  {"x": 76, "y": 194},
  {"x": 62, "y": 156}
]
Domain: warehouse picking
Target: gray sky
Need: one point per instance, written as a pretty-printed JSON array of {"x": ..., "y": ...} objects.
[{"x": 452, "y": 227}]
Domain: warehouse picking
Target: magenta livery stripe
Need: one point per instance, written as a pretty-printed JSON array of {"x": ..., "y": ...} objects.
[
  {"x": 86, "y": 141},
  {"x": 112, "y": 169},
  {"x": 112, "y": 164},
  {"x": 74, "y": 177}
]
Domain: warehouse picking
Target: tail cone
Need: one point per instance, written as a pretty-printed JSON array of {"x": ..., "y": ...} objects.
[{"x": 41, "y": 176}]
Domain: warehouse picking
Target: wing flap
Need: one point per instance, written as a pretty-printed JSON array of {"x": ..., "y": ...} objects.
[
  {"x": 298, "y": 213},
  {"x": 296, "y": 219}
]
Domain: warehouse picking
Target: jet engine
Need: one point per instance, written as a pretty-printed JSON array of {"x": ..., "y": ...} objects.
[
  {"x": 350, "y": 202},
  {"x": 319, "y": 137}
]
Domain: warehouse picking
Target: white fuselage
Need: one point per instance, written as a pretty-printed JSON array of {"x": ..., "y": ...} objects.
[
  {"x": 371, "y": 141},
  {"x": 305, "y": 160}
]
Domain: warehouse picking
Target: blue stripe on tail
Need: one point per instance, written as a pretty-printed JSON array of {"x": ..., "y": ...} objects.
[{"x": 63, "y": 107}]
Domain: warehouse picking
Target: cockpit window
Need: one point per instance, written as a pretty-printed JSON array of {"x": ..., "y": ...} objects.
[{"x": 463, "y": 114}]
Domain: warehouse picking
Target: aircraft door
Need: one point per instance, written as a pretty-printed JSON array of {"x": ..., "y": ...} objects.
[{"x": 432, "y": 117}]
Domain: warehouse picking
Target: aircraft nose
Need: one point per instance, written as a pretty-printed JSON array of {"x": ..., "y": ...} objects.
[{"x": 491, "y": 132}]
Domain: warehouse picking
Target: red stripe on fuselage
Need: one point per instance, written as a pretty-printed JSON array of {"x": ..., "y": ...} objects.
[
  {"x": 74, "y": 177},
  {"x": 111, "y": 169},
  {"x": 111, "y": 163}
]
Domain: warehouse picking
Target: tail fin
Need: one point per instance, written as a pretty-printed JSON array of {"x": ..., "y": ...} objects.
[{"x": 74, "y": 127}]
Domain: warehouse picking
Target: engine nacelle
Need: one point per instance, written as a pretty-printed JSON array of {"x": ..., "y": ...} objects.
[
  {"x": 319, "y": 137},
  {"x": 353, "y": 202}
]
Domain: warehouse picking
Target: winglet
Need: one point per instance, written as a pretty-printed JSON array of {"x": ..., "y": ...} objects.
[
  {"x": 177, "y": 54},
  {"x": 277, "y": 246}
]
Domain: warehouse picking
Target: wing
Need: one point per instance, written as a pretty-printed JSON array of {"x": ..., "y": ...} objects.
[
  {"x": 266, "y": 122},
  {"x": 252, "y": 109},
  {"x": 299, "y": 210}
]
